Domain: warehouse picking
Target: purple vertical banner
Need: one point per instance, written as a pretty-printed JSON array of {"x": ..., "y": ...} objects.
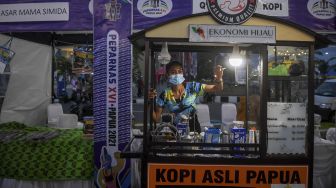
[{"x": 112, "y": 91}]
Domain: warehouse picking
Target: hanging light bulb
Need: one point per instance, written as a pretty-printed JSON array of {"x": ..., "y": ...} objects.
[
  {"x": 164, "y": 56},
  {"x": 235, "y": 58}
]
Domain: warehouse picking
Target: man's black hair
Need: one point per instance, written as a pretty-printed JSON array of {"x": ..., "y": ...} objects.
[{"x": 173, "y": 63}]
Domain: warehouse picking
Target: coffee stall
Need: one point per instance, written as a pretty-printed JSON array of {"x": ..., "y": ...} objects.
[{"x": 268, "y": 142}]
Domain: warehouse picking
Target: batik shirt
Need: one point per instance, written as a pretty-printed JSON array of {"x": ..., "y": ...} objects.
[{"x": 186, "y": 105}]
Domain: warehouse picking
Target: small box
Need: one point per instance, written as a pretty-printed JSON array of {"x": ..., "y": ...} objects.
[
  {"x": 182, "y": 129},
  {"x": 238, "y": 136},
  {"x": 212, "y": 135}
]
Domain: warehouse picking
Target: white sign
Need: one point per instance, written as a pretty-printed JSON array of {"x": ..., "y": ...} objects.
[
  {"x": 273, "y": 7},
  {"x": 32, "y": 12},
  {"x": 199, "y": 6},
  {"x": 286, "y": 125},
  {"x": 265, "y": 7},
  {"x": 232, "y": 34},
  {"x": 154, "y": 8}
]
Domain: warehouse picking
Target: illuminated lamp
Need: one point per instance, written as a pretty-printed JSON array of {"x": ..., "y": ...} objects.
[{"x": 235, "y": 58}]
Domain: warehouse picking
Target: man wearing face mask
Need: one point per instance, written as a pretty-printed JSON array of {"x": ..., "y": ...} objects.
[{"x": 180, "y": 97}]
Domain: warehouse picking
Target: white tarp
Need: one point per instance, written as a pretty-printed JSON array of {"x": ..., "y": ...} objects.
[{"x": 29, "y": 88}]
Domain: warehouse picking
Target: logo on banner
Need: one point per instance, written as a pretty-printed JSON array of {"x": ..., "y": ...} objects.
[
  {"x": 322, "y": 9},
  {"x": 111, "y": 165},
  {"x": 232, "y": 12},
  {"x": 112, "y": 10},
  {"x": 154, "y": 8},
  {"x": 199, "y": 31},
  {"x": 91, "y": 6}
]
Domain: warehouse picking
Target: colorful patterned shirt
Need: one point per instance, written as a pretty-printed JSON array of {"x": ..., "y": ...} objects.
[{"x": 186, "y": 105}]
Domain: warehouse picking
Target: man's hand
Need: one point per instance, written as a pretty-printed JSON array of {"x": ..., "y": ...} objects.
[{"x": 218, "y": 73}]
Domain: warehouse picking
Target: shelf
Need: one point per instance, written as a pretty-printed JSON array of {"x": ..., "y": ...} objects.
[{"x": 288, "y": 78}]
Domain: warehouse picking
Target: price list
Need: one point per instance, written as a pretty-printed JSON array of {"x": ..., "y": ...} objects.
[{"x": 286, "y": 124}]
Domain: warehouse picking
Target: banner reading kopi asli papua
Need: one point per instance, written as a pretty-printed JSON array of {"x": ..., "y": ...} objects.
[{"x": 187, "y": 175}]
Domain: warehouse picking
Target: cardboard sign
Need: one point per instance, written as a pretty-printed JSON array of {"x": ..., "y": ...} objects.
[{"x": 261, "y": 176}]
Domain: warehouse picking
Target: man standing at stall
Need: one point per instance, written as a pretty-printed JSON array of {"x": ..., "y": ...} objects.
[{"x": 179, "y": 98}]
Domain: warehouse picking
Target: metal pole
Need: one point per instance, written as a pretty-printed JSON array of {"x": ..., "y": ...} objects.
[
  {"x": 53, "y": 65},
  {"x": 263, "y": 101},
  {"x": 145, "y": 120},
  {"x": 310, "y": 129}
]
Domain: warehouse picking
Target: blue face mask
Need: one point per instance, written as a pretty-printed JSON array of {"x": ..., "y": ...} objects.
[{"x": 176, "y": 79}]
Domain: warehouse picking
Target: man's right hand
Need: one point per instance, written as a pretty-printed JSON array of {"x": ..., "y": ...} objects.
[{"x": 157, "y": 110}]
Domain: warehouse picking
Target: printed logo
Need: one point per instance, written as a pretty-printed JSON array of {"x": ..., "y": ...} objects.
[
  {"x": 199, "y": 32},
  {"x": 108, "y": 173},
  {"x": 232, "y": 12},
  {"x": 112, "y": 10},
  {"x": 322, "y": 9},
  {"x": 91, "y": 7},
  {"x": 154, "y": 8}
]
